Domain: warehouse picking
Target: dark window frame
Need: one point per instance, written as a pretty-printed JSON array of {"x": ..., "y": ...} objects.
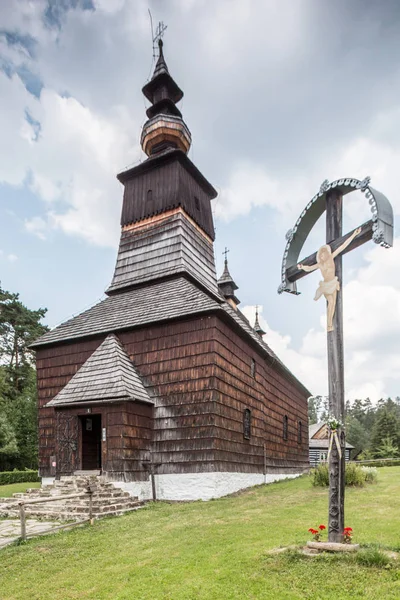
[
  {"x": 247, "y": 423},
  {"x": 149, "y": 195},
  {"x": 299, "y": 432},
  {"x": 253, "y": 368},
  {"x": 285, "y": 428}
]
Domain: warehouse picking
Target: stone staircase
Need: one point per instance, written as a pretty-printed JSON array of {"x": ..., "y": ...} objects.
[{"x": 107, "y": 500}]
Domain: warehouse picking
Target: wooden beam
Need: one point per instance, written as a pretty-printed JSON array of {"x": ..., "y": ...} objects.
[
  {"x": 334, "y": 210},
  {"x": 293, "y": 273}
]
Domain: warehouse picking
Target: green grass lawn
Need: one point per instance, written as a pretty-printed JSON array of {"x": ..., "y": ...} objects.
[
  {"x": 6, "y": 491},
  {"x": 213, "y": 550}
]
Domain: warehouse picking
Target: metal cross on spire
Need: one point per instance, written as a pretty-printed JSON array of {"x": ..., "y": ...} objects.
[
  {"x": 225, "y": 252},
  {"x": 328, "y": 260},
  {"x": 157, "y": 38}
]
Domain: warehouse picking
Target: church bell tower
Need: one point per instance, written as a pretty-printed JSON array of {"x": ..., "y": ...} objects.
[{"x": 166, "y": 224}]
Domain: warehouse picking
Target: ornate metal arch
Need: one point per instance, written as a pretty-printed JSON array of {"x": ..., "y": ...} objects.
[{"x": 381, "y": 224}]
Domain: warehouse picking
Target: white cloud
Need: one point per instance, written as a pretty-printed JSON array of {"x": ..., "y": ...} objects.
[
  {"x": 10, "y": 257},
  {"x": 73, "y": 163},
  {"x": 37, "y": 226},
  {"x": 371, "y": 333}
]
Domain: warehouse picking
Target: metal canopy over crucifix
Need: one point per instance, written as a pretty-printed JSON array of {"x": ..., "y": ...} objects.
[{"x": 328, "y": 260}]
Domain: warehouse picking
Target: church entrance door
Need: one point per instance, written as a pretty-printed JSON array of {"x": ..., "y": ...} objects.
[{"x": 91, "y": 442}]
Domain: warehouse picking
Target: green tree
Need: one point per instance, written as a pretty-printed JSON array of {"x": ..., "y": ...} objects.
[
  {"x": 386, "y": 427},
  {"x": 19, "y": 327},
  {"x": 8, "y": 443},
  {"x": 356, "y": 435},
  {"x": 387, "y": 449},
  {"x": 314, "y": 409}
]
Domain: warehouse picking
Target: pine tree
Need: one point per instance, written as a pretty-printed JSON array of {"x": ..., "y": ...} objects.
[
  {"x": 387, "y": 449},
  {"x": 386, "y": 427},
  {"x": 19, "y": 327}
]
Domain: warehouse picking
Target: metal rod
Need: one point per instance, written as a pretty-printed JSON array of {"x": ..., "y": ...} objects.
[{"x": 334, "y": 203}]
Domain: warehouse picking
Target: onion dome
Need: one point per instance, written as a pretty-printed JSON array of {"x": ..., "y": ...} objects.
[{"x": 165, "y": 127}]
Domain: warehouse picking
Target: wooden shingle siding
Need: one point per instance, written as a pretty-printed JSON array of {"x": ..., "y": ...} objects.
[
  {"x": 172, "y": 245},
  {"x": 174, "y": 182},
  {"x": 198, "y": 372},
  {"x": 269, "y": 396}
]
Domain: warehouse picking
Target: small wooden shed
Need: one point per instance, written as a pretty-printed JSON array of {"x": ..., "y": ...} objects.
[{"x": 319, "y": 444}]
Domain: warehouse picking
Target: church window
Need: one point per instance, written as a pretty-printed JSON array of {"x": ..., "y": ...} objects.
[
  {"x": 197, "y": 203},
  {"x": 247, "y": 423},
  {"x": 149, "y": 195},
  {"x": 253, "y": 368},
  {"x": 299, "y": 432},
  {"x": 285, "y": 427}
]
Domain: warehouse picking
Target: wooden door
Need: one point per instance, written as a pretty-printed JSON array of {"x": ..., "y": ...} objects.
[{"x": 91, "y": 442}]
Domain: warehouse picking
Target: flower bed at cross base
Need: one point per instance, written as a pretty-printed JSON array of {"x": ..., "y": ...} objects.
[{"x": 355, "y": 475}]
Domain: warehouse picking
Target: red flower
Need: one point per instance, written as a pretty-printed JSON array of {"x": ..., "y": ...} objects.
[
  {"x": 348, "y": 529},
  {"x": 322, "y": 527},
  {"x": 311, "y": 530}
]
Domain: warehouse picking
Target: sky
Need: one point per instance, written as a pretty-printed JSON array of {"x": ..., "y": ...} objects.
[{"x": 279, "y": 96}]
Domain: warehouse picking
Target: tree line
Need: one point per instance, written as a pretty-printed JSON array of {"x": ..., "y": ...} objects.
[
  {"x": 19, "y": 327},
  {"x": 373, "y": 429}
]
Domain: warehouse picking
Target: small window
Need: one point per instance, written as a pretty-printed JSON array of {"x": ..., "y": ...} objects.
[
  {"x": 285, "y": 427},
  {"x": 247, "y": 424},
  {"x": 253, "y": 368},
  {"x": 197, "y": 203},
  {"x": 149, "y": 195},
  {"x": 299, "y": 432}
]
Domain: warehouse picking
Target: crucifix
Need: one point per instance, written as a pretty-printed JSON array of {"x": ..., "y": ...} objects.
[{"x": 328, "y": 259}]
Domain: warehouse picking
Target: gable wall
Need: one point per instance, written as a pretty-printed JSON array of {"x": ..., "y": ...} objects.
[{"x": 270, "y": 396}]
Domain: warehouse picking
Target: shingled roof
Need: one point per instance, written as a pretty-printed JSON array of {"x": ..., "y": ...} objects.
[
  {"x": 108, "y": 375},
  {"x": 156, "y": 302}
]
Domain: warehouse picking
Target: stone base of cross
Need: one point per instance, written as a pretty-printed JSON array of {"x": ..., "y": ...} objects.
[{"x": 328, "y": 260}]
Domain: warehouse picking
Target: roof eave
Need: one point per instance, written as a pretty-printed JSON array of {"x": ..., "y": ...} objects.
[{"x": 75, "y": 403}]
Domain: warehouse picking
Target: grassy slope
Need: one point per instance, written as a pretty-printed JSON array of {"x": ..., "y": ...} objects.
[
  {"x": 6, "y": 491},
  {"x": 212, "y": 550}
]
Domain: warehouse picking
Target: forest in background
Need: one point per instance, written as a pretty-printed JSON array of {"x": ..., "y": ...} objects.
[
  {"x": 19, "y": 327},
  {"x": 373, "y": 429}
]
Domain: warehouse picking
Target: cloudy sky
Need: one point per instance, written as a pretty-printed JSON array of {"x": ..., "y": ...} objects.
[{"x": 279, "y": 95}]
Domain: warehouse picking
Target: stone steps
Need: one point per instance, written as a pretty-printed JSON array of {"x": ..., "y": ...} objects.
[{"x": 107, "y": 500}]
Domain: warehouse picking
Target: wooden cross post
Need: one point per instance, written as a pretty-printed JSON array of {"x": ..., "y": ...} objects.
[
  {"x": 334, "y": 202},
  {"x": 328, "y": 260}
]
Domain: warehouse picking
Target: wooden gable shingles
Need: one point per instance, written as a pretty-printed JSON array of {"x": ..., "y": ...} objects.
[{"x": 107, "y": 375}]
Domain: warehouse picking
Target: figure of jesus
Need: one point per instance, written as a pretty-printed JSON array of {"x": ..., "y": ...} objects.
[{"x": 330, "y": 285}]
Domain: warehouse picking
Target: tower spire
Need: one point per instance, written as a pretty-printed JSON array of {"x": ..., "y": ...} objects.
[
  {"x": 257, "y": 327},
  {"x": 226, "y": 284},
  {"x": 165, "y": 127}
]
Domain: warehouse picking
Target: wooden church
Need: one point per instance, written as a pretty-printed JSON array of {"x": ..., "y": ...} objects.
[{"x": 165, "y": 382}]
